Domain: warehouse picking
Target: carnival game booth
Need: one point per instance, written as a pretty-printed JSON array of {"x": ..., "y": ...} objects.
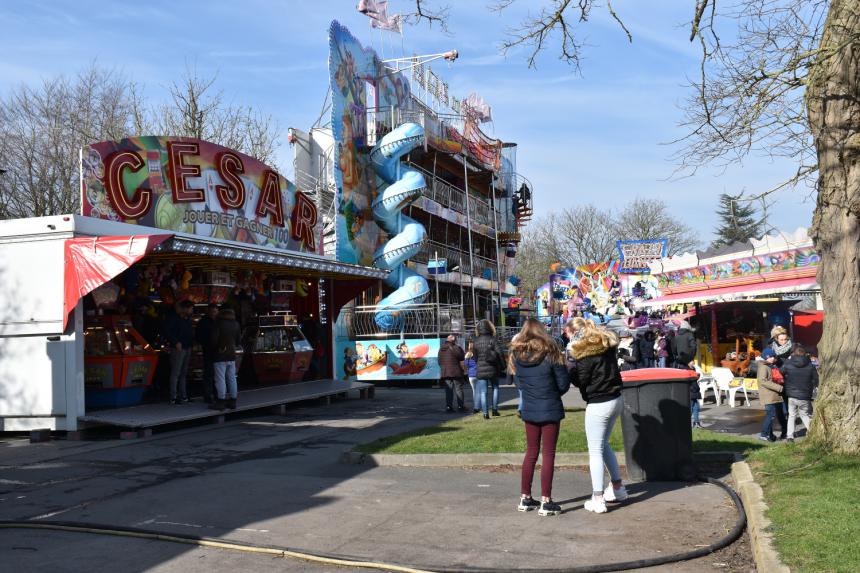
[
  {"x": 81, "y": 328},
  {"x": 735, "y": 295}
]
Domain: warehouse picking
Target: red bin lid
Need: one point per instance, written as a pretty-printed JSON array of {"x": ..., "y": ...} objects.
[{"x": 659, "y": 375}]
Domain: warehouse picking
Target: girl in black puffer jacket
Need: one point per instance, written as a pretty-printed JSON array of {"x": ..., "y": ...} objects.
[
  {"x": 594, "y": 370},
  {"x": 489, "y": 364},
  {"x": 539, "y": 373}
]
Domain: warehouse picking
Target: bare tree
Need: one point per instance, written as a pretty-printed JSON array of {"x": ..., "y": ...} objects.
[
  {"x": 650, "y": 219},
  {"x": 587, "y": 233},
  {"x": 198, "y": 110},
  {"x": 42, "y": 129}
]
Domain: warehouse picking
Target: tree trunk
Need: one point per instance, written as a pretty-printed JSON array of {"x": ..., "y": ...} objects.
[{"x": 834, "y": 116}]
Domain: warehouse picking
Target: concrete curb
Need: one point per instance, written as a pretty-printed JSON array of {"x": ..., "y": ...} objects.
[
  {"x": 767, "y": 560},
  {"x": 512, "y": 459}
]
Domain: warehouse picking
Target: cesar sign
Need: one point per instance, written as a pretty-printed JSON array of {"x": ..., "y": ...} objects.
[
  {"x": 634, "y": 256},
  {"x": 192, "y": 186}
]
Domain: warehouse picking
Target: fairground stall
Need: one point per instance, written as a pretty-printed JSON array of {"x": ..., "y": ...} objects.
[
  {"x": 735, "y": 295},
  {"x": 166, "y": 222}
]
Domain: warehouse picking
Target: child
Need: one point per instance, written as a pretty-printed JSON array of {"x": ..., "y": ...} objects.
[
  {"x": 770, "y": 393},
  {"x": 471, "y": 368},
  {"x": 801, "y": 379}
]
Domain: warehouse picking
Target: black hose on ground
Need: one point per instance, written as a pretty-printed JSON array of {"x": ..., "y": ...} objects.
[{"x": 349, "y": 561}]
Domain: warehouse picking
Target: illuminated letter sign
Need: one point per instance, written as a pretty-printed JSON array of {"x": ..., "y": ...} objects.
[
  {"x": 179, "y": 171},
  {"x": 232, "y": 195},
  {"x": 303, "y": 221},
  {"x": 270, "y": 199},
  {"x": 119, "y": 200}
]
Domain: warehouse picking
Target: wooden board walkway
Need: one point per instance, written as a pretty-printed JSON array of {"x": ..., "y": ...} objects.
[{"x": 152, "y": 415}]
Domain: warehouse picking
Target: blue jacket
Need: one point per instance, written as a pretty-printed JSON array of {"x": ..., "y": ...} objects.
[
  {"x": 471, "y": 367},
  {"x": 542, "y": 384}
]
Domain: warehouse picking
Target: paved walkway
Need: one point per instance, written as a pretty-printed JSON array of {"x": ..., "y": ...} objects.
[{"x": 277, "y": 480}]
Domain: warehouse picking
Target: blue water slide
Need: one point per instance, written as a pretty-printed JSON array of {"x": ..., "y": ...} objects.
[{"x": 406, "y": 236}]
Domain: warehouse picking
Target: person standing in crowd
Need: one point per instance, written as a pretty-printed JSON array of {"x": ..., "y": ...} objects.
[
  {"x": 312, "y": 330},
  {"x": 684, "y": 347},
  {"x": 781, "y": 344},
  {"x": 226, "y": 336},
  {"x": 770, "y": 392},
  {"x": 646, "y": 349},
  {"x": 489, "y": 364},
  {"x": 626, "y": 358},
  {"x": 539, "y": 373},
  {"x": 593, "y": 368},
  {"x": 695, "y": 407},
  {"x": 203, "y": 335},
  {"x": 661, "y": 346},
  {"x": 801, "y": 379},
  {"x": 471, "y": 368},
  {"x": 179, "y": 334},
  {"x": 450, "y": 358}
]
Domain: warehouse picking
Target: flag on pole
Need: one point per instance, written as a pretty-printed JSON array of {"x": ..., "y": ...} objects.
[
  {"x": 377, "y": 11},
  {"x": 437, "y": 267}
]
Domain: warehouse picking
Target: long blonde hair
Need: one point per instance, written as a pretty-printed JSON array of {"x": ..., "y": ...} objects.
[
  {"x": 593, "y": 339},
  {"x": 533, "y": 344}
]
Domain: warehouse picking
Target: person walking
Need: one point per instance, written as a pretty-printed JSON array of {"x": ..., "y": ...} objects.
[
  {"x": 539, "y": 373},
  {"x": 489, "y": 365},
  {"x": 770, "y": 393},
  {"x": 471, "y": 368},
  {"x": 451, "y": 357},
  {"x": 801, "y": 379},
  {"x": 226, "y": 336},
  {"x": 179, "y": 334},
  {"x": 684, "y": 346},
  {"x": 593, "y": 368}
]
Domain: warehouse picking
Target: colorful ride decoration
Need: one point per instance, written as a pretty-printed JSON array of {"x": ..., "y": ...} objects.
[{"x": 406, "y": 236}]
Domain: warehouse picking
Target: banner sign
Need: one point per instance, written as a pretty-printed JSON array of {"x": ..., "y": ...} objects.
[
  {"x": 634, "y": 256},
  {"x": 193, "y": 186},
  {"x": 368, "y": 360}
]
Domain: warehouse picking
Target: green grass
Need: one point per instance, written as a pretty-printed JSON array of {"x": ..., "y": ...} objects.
[
  {"x": 473, "y": 434},
  {"x": 814, "y": 505}
]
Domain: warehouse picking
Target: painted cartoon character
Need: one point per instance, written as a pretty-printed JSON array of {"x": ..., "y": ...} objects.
[
  {"x": 361, "y": 362},
  {"x": 349, "y": 363},
  {"x": 403, "y": 352}
]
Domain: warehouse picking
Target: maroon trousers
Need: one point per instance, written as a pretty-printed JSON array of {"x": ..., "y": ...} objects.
[{"x": 546, "y": 433}]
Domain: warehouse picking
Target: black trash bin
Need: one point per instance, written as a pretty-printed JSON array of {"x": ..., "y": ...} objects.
[{"x": 658, "y": 439}]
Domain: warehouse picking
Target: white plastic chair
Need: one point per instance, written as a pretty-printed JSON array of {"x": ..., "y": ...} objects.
[
  {"x": 706, "y": 382},
  {"x": 724, "y": 378}
]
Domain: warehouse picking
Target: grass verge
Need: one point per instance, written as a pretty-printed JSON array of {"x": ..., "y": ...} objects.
[
  {"x": 813, "y": 503},
  {"x": 504, "y": 434}
]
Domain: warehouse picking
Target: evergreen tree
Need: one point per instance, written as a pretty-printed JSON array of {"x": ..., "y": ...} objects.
[{"x": 739, "y": 221}]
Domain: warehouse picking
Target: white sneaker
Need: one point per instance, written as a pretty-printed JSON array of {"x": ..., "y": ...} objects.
[
  {"x": 612, "y": 494},
  {"x": 595, "y": 505}
]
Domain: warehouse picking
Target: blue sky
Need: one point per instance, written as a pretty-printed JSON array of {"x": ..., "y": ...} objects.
[{"x": 596, "y": 138}]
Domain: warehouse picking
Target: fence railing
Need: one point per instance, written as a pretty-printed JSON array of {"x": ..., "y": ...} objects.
[{"x": 425, "y": 320}]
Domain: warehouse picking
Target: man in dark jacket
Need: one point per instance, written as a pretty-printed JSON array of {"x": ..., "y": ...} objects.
[
  {"x": 179, "y": 334},
  {"x": 451, "y": 357},
  {"x": 203, "y": 334},
  {"x": 226, "y": 336},
  {"x": 646, "y": 349},
  {"x": 490, "y": 364},
  {"x": 683, "y": 346},
  {"x": 801, "y": 379}
]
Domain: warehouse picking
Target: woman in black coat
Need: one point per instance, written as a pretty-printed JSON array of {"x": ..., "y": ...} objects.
[
  {"x": 594, "y": 370},
  {"x": 539, "y": 373},
  {"x": 489, "y": 364}
]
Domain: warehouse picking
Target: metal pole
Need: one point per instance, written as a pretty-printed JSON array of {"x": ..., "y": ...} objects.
[
  {"x": 469, "y": 234},
  {"x": 436, "y": 281},
  {"x": 498, "y": 261}
]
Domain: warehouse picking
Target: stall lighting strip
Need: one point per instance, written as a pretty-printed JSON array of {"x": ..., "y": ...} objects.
[{"x": 222, "y": 251}]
